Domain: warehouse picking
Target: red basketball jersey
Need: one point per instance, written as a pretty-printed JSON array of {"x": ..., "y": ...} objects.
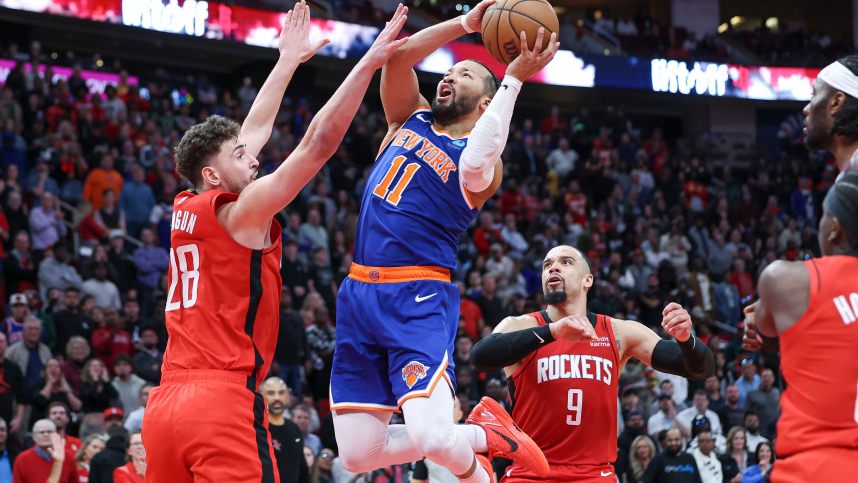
[
  {"x": 819, "y": 407},
  {"x": 565, "y": 398},
  {"x": 223, "y": 298}
]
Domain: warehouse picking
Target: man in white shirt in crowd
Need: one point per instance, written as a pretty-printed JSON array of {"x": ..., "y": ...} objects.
[
  {"x": 665, "y": 418},
  {"x": 707, "y": 461},
  {"x": 701, "y": 406}
]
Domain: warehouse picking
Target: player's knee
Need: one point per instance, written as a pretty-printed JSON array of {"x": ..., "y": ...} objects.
[
  {"x": 354, "y": 459},
  {"x": 435, "y": 443}
]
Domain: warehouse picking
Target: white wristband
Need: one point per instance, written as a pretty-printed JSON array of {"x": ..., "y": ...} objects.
[
  {"x": 464, "y": 22},
  {"x": 511, "y": 81}
]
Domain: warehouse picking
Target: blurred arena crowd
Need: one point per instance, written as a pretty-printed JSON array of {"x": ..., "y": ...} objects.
[{"x": 86, "y": 195}]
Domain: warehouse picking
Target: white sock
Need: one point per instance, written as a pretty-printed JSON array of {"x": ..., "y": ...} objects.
[
  {"x": 479, "y": 476},
  {"x": 475, "y": 435}
]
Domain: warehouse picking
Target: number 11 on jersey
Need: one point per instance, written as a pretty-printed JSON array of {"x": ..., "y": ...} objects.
[{"x": 394, "y": 196}]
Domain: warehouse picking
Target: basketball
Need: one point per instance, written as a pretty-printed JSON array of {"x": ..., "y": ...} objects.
[{"x": 504, "y": 21}]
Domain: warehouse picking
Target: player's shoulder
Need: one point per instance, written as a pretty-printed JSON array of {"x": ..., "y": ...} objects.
[
  {"x": 783, "y": 276},
  {"x": 517, "y": 322}
]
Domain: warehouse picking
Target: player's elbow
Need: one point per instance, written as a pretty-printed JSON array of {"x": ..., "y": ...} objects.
[{"x": 320, "y": 143}]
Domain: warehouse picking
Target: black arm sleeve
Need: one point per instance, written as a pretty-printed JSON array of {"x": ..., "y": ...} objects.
[
  {"x": 691, "y": 359},
  {"x": 497, "y": 351},
  {"x": 421, "y": 472}
]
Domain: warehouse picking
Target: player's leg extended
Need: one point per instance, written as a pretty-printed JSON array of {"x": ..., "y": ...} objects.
[{"x": 430, "y": 425}]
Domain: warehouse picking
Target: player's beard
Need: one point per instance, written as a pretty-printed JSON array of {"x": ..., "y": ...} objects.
[
  {"x": 556, "y": 297},
  {"x": 458, "y": 107},
  {"x": 818, "y": 130}
]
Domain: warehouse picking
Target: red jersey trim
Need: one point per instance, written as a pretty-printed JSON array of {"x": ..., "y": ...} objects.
[{"x": 609, "y": 327}]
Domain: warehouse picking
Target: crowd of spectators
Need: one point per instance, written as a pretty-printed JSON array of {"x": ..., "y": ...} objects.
[{"x": 86, "y": 195}]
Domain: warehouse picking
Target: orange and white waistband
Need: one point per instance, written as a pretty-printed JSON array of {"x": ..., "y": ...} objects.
[{"x": 366, "y": 274}]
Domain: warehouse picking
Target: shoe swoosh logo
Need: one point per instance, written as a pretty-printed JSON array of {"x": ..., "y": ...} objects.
[
  {"x": 513, "y": 445},
  {"x": 419, "y": 299},
  {"x": 605, "y": 473}
]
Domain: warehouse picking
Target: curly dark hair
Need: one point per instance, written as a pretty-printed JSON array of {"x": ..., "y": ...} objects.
[
  {"x": 846, "y": 119},
  {"x": 201, "y": 142}
]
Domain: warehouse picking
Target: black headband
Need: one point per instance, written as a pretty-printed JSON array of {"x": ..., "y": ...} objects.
[{"x": 841, "y": 202}]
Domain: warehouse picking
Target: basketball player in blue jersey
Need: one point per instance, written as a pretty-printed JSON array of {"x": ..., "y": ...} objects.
[{"x": 397, "y": 312}]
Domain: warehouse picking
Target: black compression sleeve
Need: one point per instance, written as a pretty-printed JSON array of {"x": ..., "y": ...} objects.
[
  {"x": 691, "y": 359},
  {"x": 497, "y": 351}
]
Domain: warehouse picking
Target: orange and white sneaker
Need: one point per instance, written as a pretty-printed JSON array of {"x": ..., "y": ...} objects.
[
  {"x": 505, "y": 438},
  {"x": 487, "y": 465}
]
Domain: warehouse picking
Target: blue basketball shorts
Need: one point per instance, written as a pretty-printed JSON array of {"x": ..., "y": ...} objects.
[{"x": 395, "y": 341}]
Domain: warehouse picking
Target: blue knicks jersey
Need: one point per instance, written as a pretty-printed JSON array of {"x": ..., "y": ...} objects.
[{"x": 414, "y": 208}]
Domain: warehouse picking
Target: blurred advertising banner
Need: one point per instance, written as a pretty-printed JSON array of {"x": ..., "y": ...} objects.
[{"x": 220, "y": 21}]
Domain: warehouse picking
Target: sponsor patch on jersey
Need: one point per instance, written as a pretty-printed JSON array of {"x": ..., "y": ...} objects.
[
  {"x": 413, "y": 372},
  {"x": 457, "y": 144},
  {"x": 601, "y": 342}
]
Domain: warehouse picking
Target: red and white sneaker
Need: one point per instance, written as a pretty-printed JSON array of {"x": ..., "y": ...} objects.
[
  {"x": 505, "y": 438},
  {"x": 487, "y": 465}
]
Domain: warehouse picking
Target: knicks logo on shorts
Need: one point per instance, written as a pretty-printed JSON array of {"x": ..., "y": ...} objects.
[{"x": 413, "y": 372}]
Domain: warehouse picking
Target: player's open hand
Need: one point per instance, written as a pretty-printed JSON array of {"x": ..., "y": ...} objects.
[
  {"x": 751, "y": 339},
  {"x": 474, "y": 18},
  {"x": 529, "y": 62},
  {"x": 676, "y": 321},
  {"x": 295, "y": 37},
  {"x": 386, "y": 43},
  {"x": 573, "y": 329}
]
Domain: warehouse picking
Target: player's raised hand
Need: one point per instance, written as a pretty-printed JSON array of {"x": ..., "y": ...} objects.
[
  {"x": 295, "y": 37},
  {"x": 573, "y": 328},
  {"x": 676, "y": 321},
  {"x": 529, "y": 62},
  {"x": 474, "y": 18},
  {"x": 751, "y": 339},
  {"x": 386, "y": 43}
]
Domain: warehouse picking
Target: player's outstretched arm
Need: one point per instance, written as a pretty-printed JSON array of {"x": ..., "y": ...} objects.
[
  {"x": 684, "y": 356},
  {"x": 480, "y": 164},
  {"x": 517, "y": 337},
  {"x": 295, "y": 48},
  {"x": 400, "y": 94},
  {"x": 263, "y": 198}
]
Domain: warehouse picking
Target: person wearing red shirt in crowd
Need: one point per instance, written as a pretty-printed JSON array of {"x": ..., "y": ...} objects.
[
  {"x": 470, "y": 314},
  {"x": 58, "y": 413},
  {"x": 48, "y": 460},
  {"x": 512, "y": 200},
  {"x": 93, "y": 445},
  {"x": 112, "y": 339},
  {"x": 554, "y": 122},
  {"x": 576, "y": 203},
  {"x": 742, "y": 278},
  {"x": 603, "y": 149},
  {"x": 135, "y": 470},
  {"x": 656, "y": 148},
  {"x": 486, "y": 234}
]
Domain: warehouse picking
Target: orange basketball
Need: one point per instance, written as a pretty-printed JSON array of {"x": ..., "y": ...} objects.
[{"x": 504, "y": 21}]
